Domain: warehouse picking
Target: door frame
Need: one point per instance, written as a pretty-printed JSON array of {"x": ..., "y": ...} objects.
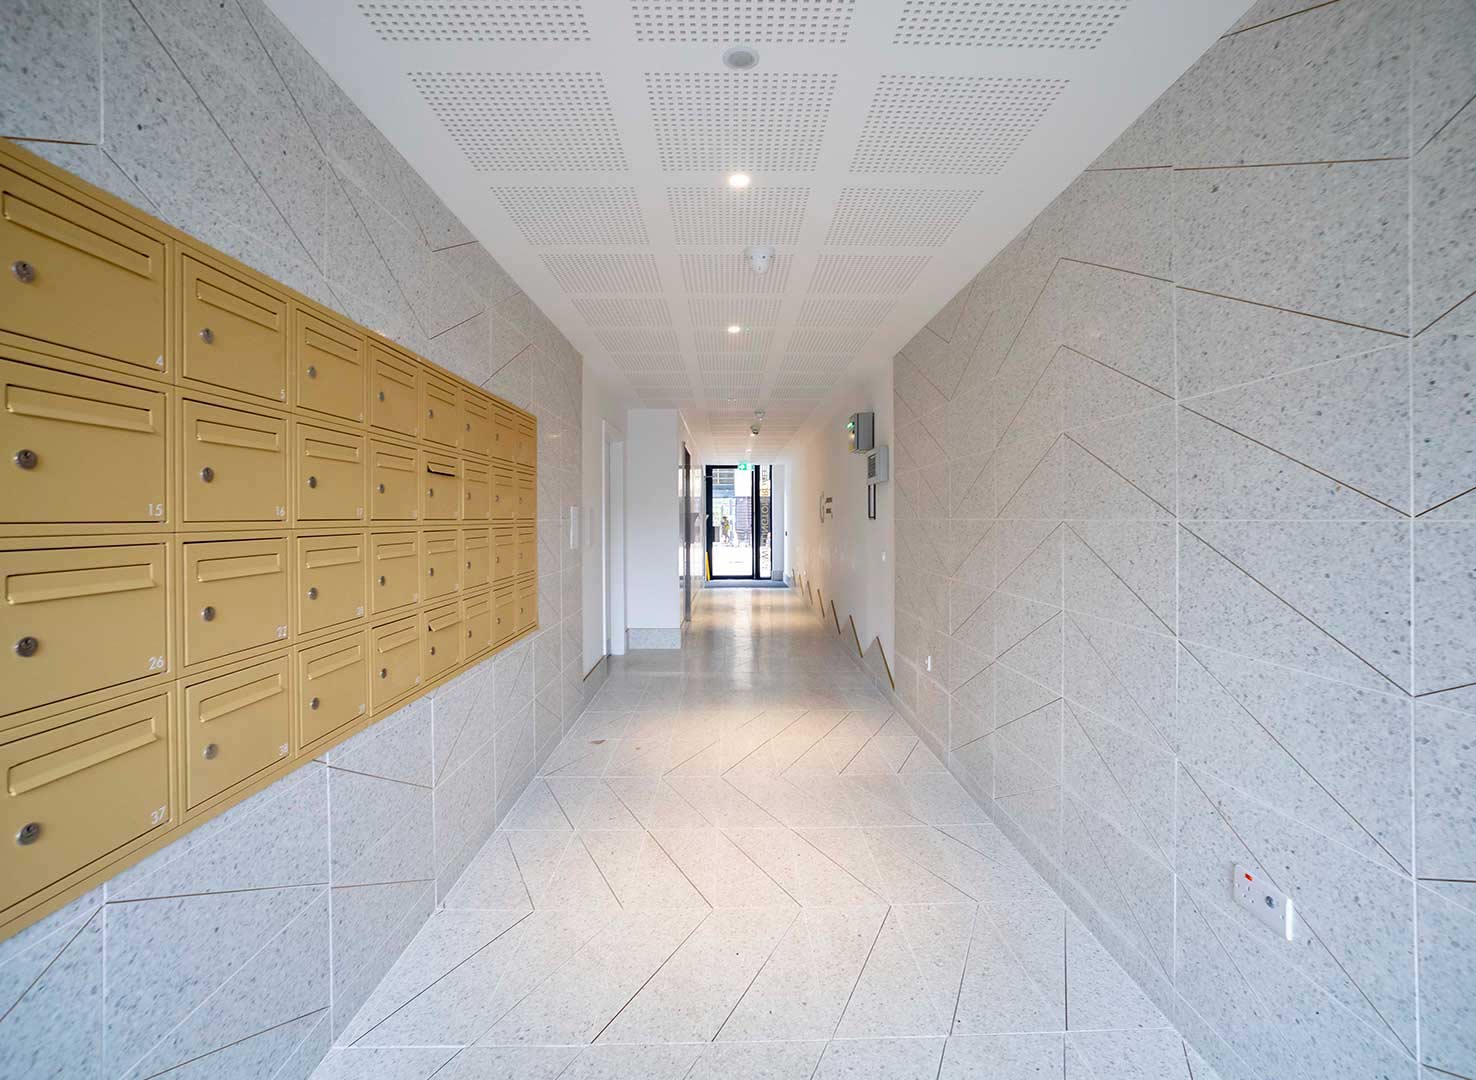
[{"x": 753, "y": 524}]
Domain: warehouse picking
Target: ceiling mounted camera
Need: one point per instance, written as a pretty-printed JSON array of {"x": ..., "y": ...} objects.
[{"x": 759, "y": 258}]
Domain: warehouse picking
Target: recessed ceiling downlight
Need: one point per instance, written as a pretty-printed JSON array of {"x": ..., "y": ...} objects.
[
  {"x": 741, "y": 57},
  {"x": 739, "y": 180}
]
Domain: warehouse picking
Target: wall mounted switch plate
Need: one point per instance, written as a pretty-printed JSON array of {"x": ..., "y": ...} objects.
[{"x": 1266, "y": 902}]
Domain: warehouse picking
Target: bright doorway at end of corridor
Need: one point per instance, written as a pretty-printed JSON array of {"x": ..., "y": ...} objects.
[{"x": 739, "y": 515}]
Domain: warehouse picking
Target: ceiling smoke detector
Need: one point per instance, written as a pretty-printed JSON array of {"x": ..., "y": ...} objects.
[
  {"x": 741, "y": 57},
  {"x": 759, "y": 258}
]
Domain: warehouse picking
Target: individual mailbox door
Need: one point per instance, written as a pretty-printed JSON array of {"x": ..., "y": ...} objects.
[
  {"x": 442, "y": 487},
  {"x": 235, "y": 596},
  {"x": 441, "y": 414},
  {"x": 526, "y": 446},
  {"x": 442, "y": 564},
  {"x": 443, "y": 642},
  {"x": 504, "y": 555},
  {"x": 80, "y": 790},
  {"x": 527, "y": 495},
  {"x": 527, "y": 551},
  {"x": 329, "y": 368},
  {"x": 476, "y": 423},
  {"x": 504, "y": 434},
  {"x": 333, "y": 686},
  {"x": 395, "y": 661},
  {"x": 476, "y": 616},
  {"x": 476, "y": 491},
  {"x": 235, "y": 334},
  {"x": 235, "y": 726},
  {"x": 393, "y": 391},
  {"x": 80, "y": 278},
  {"x": 504, "y": 614},
  {"x": 235, "y": 464},
  {"x": 504, "y": 493},
  {"x": 330, "y": 475},
  {"x": 77, "y": 619},
  {"x": 80, "y": 449},
  {"x": 476, "y": 558},
  {"x": 331, "y": 575},
  {"x": 394, "y": 571},
  {"x": 527, "y": 606},
  {"x": 394, "y": 476}
]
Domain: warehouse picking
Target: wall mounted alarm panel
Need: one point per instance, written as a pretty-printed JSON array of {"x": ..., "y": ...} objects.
[{"x": 861, "y": 432}]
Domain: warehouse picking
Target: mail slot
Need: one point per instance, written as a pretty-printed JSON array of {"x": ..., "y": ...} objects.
[
  {"x": 330, "y": 585},
  {"x": 443, "y": 640},
  {"x": 527, "y": 551},
  {"x": 394, "y": 476},
  {"x": 394, "y": 571},
  {"x": 476, "y": 558},
  {"x": 328, "y": 365},
  {"x": 235, "y": 596},
  {"x": 332, "y": 686},
  {"x": 78, "y": 619},
  {"x": 442, "y": 486},
  {"x": 476, "y": 617},
  {"x": 330, "y": 475},
  {"x": 394, "y": 665},
  {"x": 80, "y": 277},
  {"x": 81, "y": 788},
  {"x": 235, "y": 334},
  {"x": 442, "y": 564},
  {"x": 80, "y": 449},
  {"x": 235, "y": 464},
  {"x": 235, "y": 726}
]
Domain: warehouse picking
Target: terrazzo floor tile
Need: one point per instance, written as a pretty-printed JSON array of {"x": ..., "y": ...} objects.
[{"x": 743, "y": 864}]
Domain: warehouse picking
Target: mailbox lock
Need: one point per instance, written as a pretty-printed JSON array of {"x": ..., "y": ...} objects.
[
  {"x": 430, "y": 492},
  {"x": 432, "y": 571},
  {"x": 29, "y": 833},
  {"x": 27, "y": 646},
  {"x": 381, "y": 580},
  {"x": 207, "y": 474},
  {"x": 313, "y": 592},
  {"x": 430, "y": 413},
  {"x": 381, "y": 395},
  {"x": 26, "y": 459},
  {"x": 384, "y": 673},
  {"x": 207, "y": 335},
  {"x": 207, "y": 613},
  {"x": 210, "y": 751},
  {"x": 25, "y": 273},
  {"x": 312, "y": 481},
  {"x": 312, "y": 372},
  {"x": 313, "y": 704},
  {"x": 433, "y": 650},
  {"x": 381, "y": 489}
]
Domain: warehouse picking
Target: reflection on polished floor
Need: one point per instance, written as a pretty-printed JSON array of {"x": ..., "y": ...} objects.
[{"x": 742, "y": 864}]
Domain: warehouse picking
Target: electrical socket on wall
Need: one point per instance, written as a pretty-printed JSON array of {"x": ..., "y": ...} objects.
[{"x": 1263, "y": 900}]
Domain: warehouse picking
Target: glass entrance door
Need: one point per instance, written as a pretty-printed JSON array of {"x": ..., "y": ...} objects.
[{"x": 733, "y": 527}]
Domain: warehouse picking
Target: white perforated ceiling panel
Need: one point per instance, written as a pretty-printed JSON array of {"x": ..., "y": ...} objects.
[
  {"x": 526, "y": 121},
  {"x": 1018, "y": 24},
  {"x": 892, "y": 147},
  {"x": 516, "y": 22}
]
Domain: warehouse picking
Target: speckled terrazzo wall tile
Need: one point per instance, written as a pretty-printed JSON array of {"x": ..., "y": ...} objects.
[
  {"x": 51, "y": 995},
  {"x": 1444, "y": 363},
  {"x": 1445, "y": 613},
  {"x": 1445, "y": 804},
  {"x": 50, "y": 71},
  {"x": 1443, "y": 77},
  {"x": 1447, "y": 970},
  {"x": 1444, "y": 207}
]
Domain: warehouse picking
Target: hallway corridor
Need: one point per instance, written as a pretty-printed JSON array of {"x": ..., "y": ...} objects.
[{"x": 742, "y": 864}]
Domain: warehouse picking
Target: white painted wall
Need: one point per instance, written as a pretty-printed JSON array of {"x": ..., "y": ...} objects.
[
  {"x": 848, "y": 557},
  {"x": 652, "y": 554},
  {"x": 778, "y": 522},
  {"x": 602, "y": 420}
]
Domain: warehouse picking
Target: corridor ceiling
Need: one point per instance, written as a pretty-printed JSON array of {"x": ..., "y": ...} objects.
[{"x": 894, "y": 146}]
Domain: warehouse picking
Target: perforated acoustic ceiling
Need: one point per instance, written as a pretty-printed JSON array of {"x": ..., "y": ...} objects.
[{"x": 894, "y": 146}]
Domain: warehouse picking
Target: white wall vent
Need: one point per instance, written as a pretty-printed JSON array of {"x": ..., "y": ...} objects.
[
  {"x": 1014, "y": 24},
  {"x": 950, "y": 124}
]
